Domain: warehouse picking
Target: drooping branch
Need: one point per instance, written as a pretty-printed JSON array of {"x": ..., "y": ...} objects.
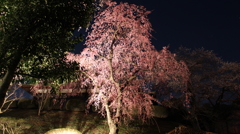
[{"x": 120, "y": 61}]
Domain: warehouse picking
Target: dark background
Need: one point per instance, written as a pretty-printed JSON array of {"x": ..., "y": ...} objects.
[{"x": 211, "y": 24}]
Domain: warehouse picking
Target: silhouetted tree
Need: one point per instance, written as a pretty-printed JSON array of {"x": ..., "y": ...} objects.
[{"x": 213, "y": 83}]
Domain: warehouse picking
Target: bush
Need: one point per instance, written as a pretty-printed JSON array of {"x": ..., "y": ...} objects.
[
  {"x": 160, "y": 111},
  {"x": 63, "y": 131},
  {"x": 26, "y": 104},
  {"x": 76, "y": 105}
]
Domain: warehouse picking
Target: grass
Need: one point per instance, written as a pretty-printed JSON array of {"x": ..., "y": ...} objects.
[{"x": 91, "y": 123}]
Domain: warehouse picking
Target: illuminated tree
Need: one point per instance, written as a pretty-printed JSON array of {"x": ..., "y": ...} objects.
[
  {"x": 120, "y": 62},
  {"x": 35, "y": 36}
]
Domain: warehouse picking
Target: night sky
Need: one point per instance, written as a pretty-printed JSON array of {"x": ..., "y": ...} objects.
[{"x": 211, "y": 24}]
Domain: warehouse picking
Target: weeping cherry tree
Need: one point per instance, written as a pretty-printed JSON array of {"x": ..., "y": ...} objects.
[{"x": 119, "y": 61}]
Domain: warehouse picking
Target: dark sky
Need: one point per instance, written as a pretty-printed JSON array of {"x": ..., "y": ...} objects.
[{"x": 211, "y": 24}]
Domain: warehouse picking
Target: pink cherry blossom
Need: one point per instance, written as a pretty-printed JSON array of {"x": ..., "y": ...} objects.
[{"x": 119, "y": 61}]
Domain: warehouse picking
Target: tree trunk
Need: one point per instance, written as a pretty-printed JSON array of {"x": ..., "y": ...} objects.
[
  {"x": 8, "y": 77},
  {"x": 113, "y": 127},
  {"x": 4, "y": 85}
]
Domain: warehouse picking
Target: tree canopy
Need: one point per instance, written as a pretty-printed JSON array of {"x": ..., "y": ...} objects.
[
  {"x": 119, "y": 61},
  {"x": 35, "y": 36}
]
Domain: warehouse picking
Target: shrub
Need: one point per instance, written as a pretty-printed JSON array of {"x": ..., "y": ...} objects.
[
  {"x": 76, "y": 105},
  {"x": 26, "y": 104},
  {"x": 63, "y": 131}
]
